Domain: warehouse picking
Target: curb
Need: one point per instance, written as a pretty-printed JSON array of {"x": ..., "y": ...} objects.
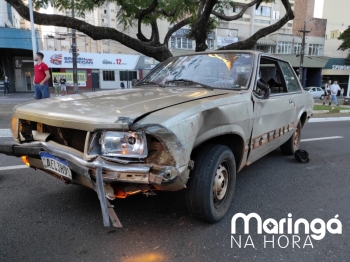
[{"x": 327, "y": 112}]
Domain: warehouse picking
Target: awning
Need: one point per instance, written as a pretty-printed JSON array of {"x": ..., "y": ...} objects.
[
  {"x": 265, "y": 41},
  {"x": 309, "y": 61}
]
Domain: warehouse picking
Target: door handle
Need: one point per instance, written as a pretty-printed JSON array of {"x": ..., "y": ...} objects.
[{"x": 291, "y": 102}]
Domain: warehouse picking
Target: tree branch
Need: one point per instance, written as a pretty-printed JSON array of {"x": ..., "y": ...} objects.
[
  {"x": 175, "y": 28},
  {"x": 155, "y": 33},
  {"x": 235, "y": 17},
  {"x": 160, "y": 53},
  {"x": 198, "y": 30},
  {"x": 168, "y": 14},
  {"x": 251, "y": 41}
]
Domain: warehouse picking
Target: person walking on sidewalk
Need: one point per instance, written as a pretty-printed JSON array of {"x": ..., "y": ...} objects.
[
  {"x": 334, "y": 90},
  {"x": 6, "y": 86},
  {"x": 57, "y": 86},
  {"x": 327, "y": 92},
  {"x": 41, "y": 77},
  {"x": 342, "y": 92},
  {"x": 63, "y": 85}
]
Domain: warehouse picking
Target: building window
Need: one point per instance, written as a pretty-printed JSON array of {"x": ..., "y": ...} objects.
[
  {"x": 210, "y": 44},
  {"x": 263, "y": 11},
  {"x": 315, "y": 49},
  {"x": 297, "y": 48},
  {"x": 284, "y": 48},
  {"x": 180, "y": 43},
  {"x": 334, "y": 34},
  {"x": 108, "y": 76},
  {"x": 237, "y": 8},
  {"x": 260, "y": 21},
  {"x": 276, "y": 15}
]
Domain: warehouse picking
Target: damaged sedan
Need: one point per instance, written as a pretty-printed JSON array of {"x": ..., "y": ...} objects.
[{"x": 191, "y": 124}]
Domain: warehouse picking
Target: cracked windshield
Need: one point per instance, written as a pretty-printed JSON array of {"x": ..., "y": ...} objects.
[{"x": 220, "y": 70}]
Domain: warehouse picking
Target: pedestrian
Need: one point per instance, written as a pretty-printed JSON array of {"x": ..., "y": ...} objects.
[
  {"x": 63, "y": 85},
  {"x": 122, "y": 86},
  {"x": 6, "y": 86},
  {"x": 57, "y": 86},
  {"x": 334, "y": 90},
  {"x": 327, "y": 91},
  {"x": 41, "y": 77},
  {"x": 342, "y": 92}
]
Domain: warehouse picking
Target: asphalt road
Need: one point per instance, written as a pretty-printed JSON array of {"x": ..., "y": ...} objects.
[{"x": 42, "y": 219}]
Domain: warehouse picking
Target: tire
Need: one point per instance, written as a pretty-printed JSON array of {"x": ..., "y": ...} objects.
[
  {"x": 322, "y": 97},
  {"x": 214, "y": 166},
  {"x": 289, "y": 147}
]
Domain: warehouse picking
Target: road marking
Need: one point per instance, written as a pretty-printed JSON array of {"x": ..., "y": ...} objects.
[
  {"x": 328, "y": 119},
  {"x": 13, "y": 167},
  {"x": 5, "y": 133},
  {"x": 321, "y": 138}
]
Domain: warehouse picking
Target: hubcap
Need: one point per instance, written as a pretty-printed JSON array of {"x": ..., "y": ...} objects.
[{"x": 220, "y": 183}]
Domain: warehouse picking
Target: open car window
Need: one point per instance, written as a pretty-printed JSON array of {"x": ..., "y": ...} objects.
[{"x": 270, "y": 72}]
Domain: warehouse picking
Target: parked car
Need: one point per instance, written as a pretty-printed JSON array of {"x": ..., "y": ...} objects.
[
  {"x": 191, "y": 124},
  {"x": 316, "y": 92}
]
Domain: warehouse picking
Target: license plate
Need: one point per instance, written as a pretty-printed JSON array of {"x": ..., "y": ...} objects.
[{"x": 56, "y": 164}]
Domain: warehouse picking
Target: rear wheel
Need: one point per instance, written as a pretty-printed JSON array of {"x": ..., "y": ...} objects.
[
  {"x": 293, "y": 142},
  {"x": 211, "y": 185},
  {"x": 322, "y": 97}
]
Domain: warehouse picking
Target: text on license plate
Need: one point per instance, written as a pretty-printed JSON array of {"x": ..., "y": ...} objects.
[{"x": 55, "y": 164}]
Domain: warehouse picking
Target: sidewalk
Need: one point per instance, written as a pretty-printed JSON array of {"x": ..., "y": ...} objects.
[{"x": 22, "y": 97}]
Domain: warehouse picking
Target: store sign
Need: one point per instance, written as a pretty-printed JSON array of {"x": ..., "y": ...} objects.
[
  {"x": 57, "y": 59},
  {"x": 341, "y": 67},
  {"x": 69, "y": 78},
  {"x": 183, "y": 32},
  {"x": 223, "y": 41}
]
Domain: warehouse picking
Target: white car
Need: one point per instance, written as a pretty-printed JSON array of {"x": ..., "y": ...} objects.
[
  {"x": 316, "y": 92},
  {"x": 191, "y": 124}
]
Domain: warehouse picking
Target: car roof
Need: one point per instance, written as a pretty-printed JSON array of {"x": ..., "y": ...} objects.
[{"x": 252, "y": 52}]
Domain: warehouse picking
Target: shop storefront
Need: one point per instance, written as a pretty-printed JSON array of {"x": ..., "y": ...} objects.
[
  {"x": 105, "y": 71},
  {"x": 337, "y": 69}
]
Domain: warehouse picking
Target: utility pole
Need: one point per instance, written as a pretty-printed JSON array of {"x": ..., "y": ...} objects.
[
  {"x": 302, "y": 51},
  {"x": 74, "y": 54},
  {"x": 30, "y": 4}
]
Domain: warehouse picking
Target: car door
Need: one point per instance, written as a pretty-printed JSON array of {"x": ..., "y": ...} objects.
[{"x": 274, "y": 116}]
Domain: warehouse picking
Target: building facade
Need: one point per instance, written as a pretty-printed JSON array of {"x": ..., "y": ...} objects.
[
  {"x": 338, "y": 67},
  {"x": 16, "y": 59}
]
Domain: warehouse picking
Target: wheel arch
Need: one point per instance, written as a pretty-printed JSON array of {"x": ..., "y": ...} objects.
[
  {"x": 234, "y": 141},
  {"x": 303, "y": 118}
]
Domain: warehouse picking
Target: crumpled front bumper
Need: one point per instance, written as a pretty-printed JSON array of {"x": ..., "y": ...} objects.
[{"x": 140, "y": 173}]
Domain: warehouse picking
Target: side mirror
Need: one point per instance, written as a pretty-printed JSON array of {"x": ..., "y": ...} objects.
[{"x": 264, "y": 86}]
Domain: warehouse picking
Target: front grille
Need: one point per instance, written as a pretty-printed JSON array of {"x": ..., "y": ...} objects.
[{"x": 66, "y": 136}]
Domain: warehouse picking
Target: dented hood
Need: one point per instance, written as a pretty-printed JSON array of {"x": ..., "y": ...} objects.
[{"x": 108, "y": 109}]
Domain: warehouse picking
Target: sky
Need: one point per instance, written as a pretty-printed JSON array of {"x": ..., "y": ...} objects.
[{"x": 318, "y": 8}]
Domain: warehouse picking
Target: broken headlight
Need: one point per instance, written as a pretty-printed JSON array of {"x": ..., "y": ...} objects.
[{"x": 124, "y": 144}]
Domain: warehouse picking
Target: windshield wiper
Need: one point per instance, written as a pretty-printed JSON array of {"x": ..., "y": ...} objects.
[
  {"x": 189, "y": 81},
  {"x": 149, "y": 83}
]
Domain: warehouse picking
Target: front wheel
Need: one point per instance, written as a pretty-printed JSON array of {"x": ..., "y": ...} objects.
[
  {"x": 212, "y": 182},
  {"x": 293, "y": 142}
]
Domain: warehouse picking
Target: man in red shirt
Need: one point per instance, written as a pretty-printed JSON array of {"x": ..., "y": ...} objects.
[{"x": 41, "y": 75}]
